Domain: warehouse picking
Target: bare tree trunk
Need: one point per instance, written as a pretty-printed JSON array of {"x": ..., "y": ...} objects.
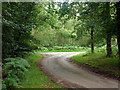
[
  {"x": 118, "y": 28},
  {"x": 108, "y": 31},
  {"x": 92, "y": 42},
  {"x": 109, "y": 49},
  {"x": 118, "y": 42}
]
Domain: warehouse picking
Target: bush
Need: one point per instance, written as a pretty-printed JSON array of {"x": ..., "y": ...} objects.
[
  {"x": 58, "y": 47},
  {"x": 50, "y": 48},
  {"x": 44, "y": 49},
  {"x": 65, "y": 47},
  {"x": 13, "y": 71}
]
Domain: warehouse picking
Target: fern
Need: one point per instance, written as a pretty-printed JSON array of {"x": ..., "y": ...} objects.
[{"x": 14, "y": 70}]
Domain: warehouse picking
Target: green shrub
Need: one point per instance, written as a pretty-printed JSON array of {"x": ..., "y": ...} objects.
[
  {"x": 50, "y": 48},
  {"x": 44, "y": 49},
  {"x": 58, "y": 47},
  {"x": 13, "y": 71}
]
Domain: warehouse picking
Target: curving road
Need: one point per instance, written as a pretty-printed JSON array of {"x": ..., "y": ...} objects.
[{"x": 56, "y": 64}]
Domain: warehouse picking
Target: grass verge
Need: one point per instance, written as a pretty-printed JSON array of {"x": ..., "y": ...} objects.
[
  {"x": 99, "y": 61},
  {"x": 35, "y": 78}
]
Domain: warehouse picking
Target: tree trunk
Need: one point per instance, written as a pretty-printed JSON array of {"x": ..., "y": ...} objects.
[
  {"x": 109, "y": 49},
  {"x": 92, "y": 42},
  {"x": 118, "y": 42},
  {"x": 108, "y": 30},
  {"x": 118, "y": 27}
]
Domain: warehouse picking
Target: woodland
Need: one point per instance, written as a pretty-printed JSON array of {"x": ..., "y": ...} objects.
[{"x": 31, "y": 27}]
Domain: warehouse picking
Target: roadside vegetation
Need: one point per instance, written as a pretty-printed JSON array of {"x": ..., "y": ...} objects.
[
  {"x": 99, "y": 61},
  {"x": 35, "y": 78}
]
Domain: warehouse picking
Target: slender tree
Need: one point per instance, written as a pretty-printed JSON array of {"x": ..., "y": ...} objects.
[
  {"x": 92, "y": 41},
  {"x": 118, "y": 26},
  {"x": 107, "y": 23}
]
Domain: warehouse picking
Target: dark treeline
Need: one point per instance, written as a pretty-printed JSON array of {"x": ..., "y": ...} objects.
[{"x": 17, "y": 23}]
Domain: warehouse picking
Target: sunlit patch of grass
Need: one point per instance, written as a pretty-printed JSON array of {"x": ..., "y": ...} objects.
[
  {"x": 35, "y": 78},
  {"x": 100, "y": 61}
]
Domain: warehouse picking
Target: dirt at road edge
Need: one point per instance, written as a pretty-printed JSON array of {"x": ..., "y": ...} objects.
[{"x": 97, "y": 71}]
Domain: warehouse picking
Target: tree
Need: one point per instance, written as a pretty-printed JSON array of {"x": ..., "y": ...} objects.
[
  {"x": 107, "y": 22},
  {"x": 89, "y": 14},
  {"x": 102, "y": 12},
  {"x": 118, "y": 26},
  {"x": 17, "y": 23}
]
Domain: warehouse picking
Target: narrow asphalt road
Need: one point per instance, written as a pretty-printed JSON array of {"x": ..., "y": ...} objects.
[{"x": 56, "y": 64}]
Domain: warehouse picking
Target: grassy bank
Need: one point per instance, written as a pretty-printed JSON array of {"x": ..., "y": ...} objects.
[
  {"x": 34, "y": 78},
  {"x": 99, "y": 61}
]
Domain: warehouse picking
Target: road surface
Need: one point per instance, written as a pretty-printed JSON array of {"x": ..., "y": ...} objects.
[{"x": 57, "y": 65}]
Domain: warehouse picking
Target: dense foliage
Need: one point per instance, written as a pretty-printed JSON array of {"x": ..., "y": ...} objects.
[
  {"x": 13, "y": 71},
  {"x": 17, "y": 24}
]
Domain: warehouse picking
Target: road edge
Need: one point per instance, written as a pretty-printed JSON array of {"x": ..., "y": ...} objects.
[
  {"x": 91, "y": 69},
  {"x": 63, "y": 84}
]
